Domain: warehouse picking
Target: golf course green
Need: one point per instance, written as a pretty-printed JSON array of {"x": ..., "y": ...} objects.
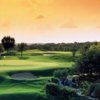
[{"x": 39, "y": 63}]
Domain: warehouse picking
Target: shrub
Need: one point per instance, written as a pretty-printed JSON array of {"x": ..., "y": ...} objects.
[
  {"x": 57, "y": 73},
  {"x": 52, "y": 89},
  {"x": 55, "y": 80},
  {"x": 61, "y": 73},
  {"x": 67, "y": 93},
  {"x": 55, "y": 92}
]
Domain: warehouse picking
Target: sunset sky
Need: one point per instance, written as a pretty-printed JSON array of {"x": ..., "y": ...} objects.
[{"x": 35, "y": 21}]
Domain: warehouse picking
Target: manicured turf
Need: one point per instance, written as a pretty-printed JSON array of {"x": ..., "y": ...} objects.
[
  {"x": 9, "y": 86},
  {"x": 16, "y": 65},
  {"x": 39, "y": 63}
]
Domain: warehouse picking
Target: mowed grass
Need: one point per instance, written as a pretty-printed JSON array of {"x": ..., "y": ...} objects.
[
  {"x": 39, "y": 63},
  {"x": 9, "y": 86},
  {"x": 47, "y": 60},
  {"x": 23, "y": 90},
  {"x": 17, "y": 65}
]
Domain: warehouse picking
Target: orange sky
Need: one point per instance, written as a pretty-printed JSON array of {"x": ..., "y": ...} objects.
[{"x": 50, "y": 20}]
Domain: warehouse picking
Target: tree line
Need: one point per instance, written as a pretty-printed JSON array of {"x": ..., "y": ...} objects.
[{"x": 8, "y": 43}]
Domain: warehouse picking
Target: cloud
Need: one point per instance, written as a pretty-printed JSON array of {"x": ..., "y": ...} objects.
[
  {"x": 69, "y": 24},
  {"x": 5, "y": 24},
  {"x": 29, "y": 3},
  {"x": 98, "y": 26},
  {"x": 40, "y": 17},
  {"x": 25, "y": 4}
]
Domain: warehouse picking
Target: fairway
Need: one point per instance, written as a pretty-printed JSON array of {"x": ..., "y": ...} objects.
[
  {"x": 13, "y": 87},
  {"x": 40, "y": 63},
  {"x": 54, "y": 60},
  {"x": 11, "y": 65}
]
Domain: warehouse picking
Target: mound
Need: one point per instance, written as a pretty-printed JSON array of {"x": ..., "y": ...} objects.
[{"x": 23, "y": 76}]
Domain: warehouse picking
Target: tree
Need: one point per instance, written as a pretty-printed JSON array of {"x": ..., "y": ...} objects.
[
  {"x": 1, "y": 49},
  {"x": 8, "y": 43},
  {"x": 85, "y": 47},
  {"x": 74, "y": 48},
  {"x": 21, "y": 47},
  {"x": 89, "y": 62}
]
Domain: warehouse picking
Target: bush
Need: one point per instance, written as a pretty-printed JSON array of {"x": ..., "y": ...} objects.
[
  {"x": 52, "y": 89},
  {"x": 57, "y": 73},
  {"x": 55, "y": 80},
  {"x": 55, "y": 92},
  {"x": 67, "y": 93},
  {"x": 61, "y": 73}
]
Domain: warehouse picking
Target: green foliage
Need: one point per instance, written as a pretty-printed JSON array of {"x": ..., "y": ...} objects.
[
  {"x": 55, "y": 80},
  {"x": 57, "y": 73},
  {"x": 61, "y": 73},
  {"x": 74, "y": 48},
  {"x": 84, "y": 86},
  {"x": 64, "y": 73},
  {"x": 8, "y": 42},
  {"x": 56, "y": 92},
  {"x": 89, "y": 62},
  {"x": 22, "y": 47},
  {"x": 67, "y": 93},
  {"x": 94, "y": 90},
  {"x": 1, "y": 48},
  {"x": 10, "y": 53},
  {"x": 52, "y": 89},
  {"x": 85, "y": 47}
]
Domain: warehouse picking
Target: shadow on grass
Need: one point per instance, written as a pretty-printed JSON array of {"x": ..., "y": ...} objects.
[
  {"x": 64, "y": 58},
  {"x": 39, "y": 73},
  {"x": 34, "y": 96},
  {"x": 46, "y": 72},
  {"x": 1, "y": 79}
]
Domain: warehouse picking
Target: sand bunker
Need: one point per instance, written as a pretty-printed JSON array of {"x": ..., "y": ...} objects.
[{"x": 23, "y": 76}]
